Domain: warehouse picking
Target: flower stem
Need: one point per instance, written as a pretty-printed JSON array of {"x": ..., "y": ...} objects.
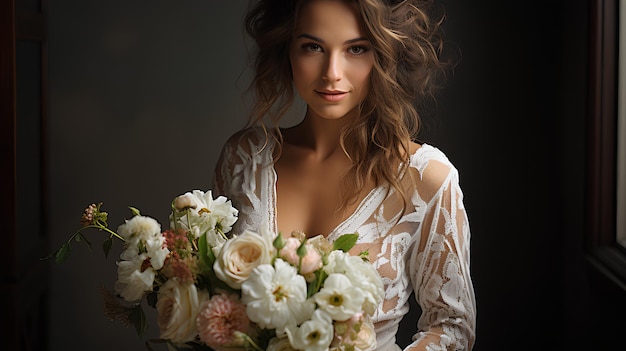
[
  {"x": 99, "y": 227},
  {"x": 254, "y": 345}
]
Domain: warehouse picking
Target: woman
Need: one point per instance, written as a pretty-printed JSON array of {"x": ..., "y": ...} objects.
[{"x": 351, "y": 165}]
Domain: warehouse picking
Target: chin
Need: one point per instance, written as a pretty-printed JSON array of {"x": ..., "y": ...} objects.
[{"x": 333, "y": 113}]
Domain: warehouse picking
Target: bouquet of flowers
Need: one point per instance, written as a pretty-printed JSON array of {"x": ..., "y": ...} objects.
[{"x": 214, "y": 289}]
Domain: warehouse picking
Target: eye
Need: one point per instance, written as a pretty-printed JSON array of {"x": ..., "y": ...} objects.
[
  {"x": 312, "y": 47},
  {"x": 357, "y": 50}
]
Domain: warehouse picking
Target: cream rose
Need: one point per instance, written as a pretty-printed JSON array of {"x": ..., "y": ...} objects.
[
  {"x": 177, "y": 307},
  {"x": 241, "y": 254},
  {"x": 366, "y": 337},
  {"x": 356, "y": 334}
]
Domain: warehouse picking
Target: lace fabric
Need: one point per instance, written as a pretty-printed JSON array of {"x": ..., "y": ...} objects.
[{"x": 422, "y": 246}]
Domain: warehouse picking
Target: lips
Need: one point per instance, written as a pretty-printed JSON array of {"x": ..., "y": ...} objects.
[{"x": 332, "y": 95}]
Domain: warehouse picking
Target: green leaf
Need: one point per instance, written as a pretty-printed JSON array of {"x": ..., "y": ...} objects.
[
  {"x": 134, "y": 211},
  {"x": 138, "y": 318},
  {"x": 206, "y": 254},
  {"x": 345, "y": 242},
  {"x": 151, "y": 299},
  {"x": 63, "y": 253},
  {"x": 316, "y": 284},
  {"x": 106, "y": 246},
  {"x": 207, "y": 258}
]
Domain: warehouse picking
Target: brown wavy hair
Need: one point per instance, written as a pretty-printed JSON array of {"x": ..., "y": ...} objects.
[{"x": 407, "y": 41}]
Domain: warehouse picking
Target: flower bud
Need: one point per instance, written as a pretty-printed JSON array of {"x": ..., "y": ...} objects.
[{"x": 183, "y": 202}]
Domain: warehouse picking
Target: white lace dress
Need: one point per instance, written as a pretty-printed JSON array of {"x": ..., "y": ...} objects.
[{"x": 425, "y": 250}]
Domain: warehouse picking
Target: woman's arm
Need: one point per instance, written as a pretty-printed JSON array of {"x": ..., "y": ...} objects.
[{"x": 440, "y": 265}]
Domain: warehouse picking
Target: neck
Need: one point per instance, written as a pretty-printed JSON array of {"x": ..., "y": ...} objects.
[{"x": 319, "y": 135}]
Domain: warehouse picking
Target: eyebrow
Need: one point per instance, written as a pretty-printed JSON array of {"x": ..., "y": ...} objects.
[{"x": 309, "y": 36}]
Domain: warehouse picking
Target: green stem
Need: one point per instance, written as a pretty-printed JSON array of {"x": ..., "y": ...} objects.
[
  {"x": 221, "y": 232},
  {"x": 254, "y": 345},
  {"x": 319, "y": 281},
  {"x": 99, "y": 227}
]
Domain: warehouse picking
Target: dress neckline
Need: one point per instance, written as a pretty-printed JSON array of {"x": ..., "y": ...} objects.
[
  {"x": 343, "y": 226},
  {"x": 335, "y": 232}
]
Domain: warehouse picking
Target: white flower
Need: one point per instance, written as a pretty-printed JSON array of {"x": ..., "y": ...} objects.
[
  {"x": 132, "y": 282},
  {"x": 156, "y": 251},
  {"x": 241, "y": 254},
  {"x": 315, "y": 334},
  {"x": 177, "y": 307},
  {"x": 276, "y": 296},
  {"x": 362, "y": 275},
  {"x": 200, "y": 214},
  {"x": 184, "y": 202},
  {"x": 139, "y": 228},
  {"x": 339, "y": 298},
  {"x": 280, "y": 344},
  {"x": 144, "y": 234}
]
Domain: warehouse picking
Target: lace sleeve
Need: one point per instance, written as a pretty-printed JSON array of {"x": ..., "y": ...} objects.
[
  {"x": 244, "y": 175},
  {"x": 220, "y": 176},
  {"x": 230, "y": 169},
  {"x": 439, "y": 265}
]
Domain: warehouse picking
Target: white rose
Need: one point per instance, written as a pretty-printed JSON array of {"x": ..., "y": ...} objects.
[
  {"x": 177, "y": 307},
  {"x": 241, "y": 254},
  {"x": 132, "y": 282}
]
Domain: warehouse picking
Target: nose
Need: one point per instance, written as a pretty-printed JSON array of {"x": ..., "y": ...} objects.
[{"x": 333, "y": 71}]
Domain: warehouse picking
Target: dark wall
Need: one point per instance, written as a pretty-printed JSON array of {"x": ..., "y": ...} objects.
[{"x": 513, "y": 120}]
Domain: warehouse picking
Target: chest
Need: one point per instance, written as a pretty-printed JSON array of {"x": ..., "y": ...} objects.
[{"x": 310, "y": 197}]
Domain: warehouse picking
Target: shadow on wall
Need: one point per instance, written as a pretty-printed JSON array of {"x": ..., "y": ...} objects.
[{"x": 142, "y": 95}]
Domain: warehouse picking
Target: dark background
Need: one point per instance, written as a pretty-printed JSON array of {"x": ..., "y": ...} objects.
[{"x": 142, "y": 94}]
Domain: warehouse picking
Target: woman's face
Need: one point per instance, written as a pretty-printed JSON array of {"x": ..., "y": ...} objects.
[{"x": 331, "y": 59}]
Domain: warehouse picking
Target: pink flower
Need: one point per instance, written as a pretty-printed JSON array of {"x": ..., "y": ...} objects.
[
  {"x": 289, "y": 252},
  {"x": 88, "y": 216},
  {"x": 311, "y": 261},
  {"x": 220, "y": 318}
]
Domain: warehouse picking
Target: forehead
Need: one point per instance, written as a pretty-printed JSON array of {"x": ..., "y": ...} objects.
[{"x": 330, "y": 18}]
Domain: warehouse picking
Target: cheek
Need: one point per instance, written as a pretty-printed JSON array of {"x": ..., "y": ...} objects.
[
  {"x": 361, "y": 78},
  {"x": 303, "y": 72}
]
